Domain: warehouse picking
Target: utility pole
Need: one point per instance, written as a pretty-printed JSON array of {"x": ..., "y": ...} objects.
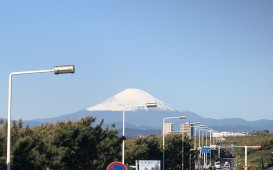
[{"x": 246, "y": 147}]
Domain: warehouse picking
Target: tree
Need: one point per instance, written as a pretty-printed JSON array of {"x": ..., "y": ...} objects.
[
  {"x": 173, "y": 151},
  {"x": 64, "y": 145},
  {"x": 143, "y": 148},
  {"x": 3, "y": 144}
]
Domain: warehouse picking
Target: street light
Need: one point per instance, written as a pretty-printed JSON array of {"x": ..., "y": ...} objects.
[
  {"x": 201, "y": 128},
  {"x": 210, "y": 136},
  {"x": 57, "y": 70},
  {"x": 147, "y": 105},
  {"x": 207, "y": 129},
  {"x": 197, "y": 124},
  {"x": 163, "y": 135}
]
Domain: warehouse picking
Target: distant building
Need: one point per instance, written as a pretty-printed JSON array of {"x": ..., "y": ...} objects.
[
  {"x": 187, "y": 128},
  {"x": 226, "y": 134},
  {"x": 168, "y": 128}
]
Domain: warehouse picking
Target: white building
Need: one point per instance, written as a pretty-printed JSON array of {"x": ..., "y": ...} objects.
[
  {"x": 226, "y": 134},
  {"x": 168, "y": 128},
  {"x": 187, "y": 128}
]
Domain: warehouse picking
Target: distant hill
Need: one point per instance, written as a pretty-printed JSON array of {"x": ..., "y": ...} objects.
[
  {"x": 144, "y": 120},
  {"x": 141, "y": 118}
]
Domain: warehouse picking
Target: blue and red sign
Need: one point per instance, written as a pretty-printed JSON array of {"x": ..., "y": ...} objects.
[{"x": 116, "y": 166}]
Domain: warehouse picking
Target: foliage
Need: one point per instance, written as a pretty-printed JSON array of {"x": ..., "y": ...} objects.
[
  {"x": 142, "y": 148},
  {"x": 150, "y": 148},
  {"x": 3, "y": 143},
  {"x": 63, "y": 145},
  {"x": 256, "y": 157}
]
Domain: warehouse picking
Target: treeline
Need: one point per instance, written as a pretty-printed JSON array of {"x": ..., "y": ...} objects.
[
  {"x": 85, "y": 145},
  {"x": 150, "y": 148},
  {"x": 62, "y": 145},
  {"x": 257, "y": 158}
]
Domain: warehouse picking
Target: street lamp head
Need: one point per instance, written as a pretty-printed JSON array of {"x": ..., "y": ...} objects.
[
  {"x": 182, "y": 117},
  {"x": 151, "y": 105},
  {"x": 64, "y": 69}
]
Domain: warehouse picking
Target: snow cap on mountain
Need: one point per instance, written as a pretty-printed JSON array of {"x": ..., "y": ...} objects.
[{"x": 130, "y": 97}]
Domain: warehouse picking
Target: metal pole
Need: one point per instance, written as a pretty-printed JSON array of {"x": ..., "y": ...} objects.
[
  {"x": 199, "y": 138},
  {"x": 123, "y": 134},
  {"x": 206, "y": 137},
  {"x": 203, "y": 137},
  {"x": 148, "y": 105},
  {"x": 245, "y": 158},
  {"x": 210, "y": 137},
  {"x": 219, "y": 151},
  {"x": 200, "y": 155},
  {"x": 9, "y": 119},
  {"x": 182, "y": 151},
  {"x": 163, "y": 133},
  {"x": 205, "y": 163},
  {"x": 180, "y": 117},
  {"x": 194, "y": 138},
  {"x": 10, "y": 106}
]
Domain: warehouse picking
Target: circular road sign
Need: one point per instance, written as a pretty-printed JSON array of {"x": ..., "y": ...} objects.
[{"x": 116, "y": 166}]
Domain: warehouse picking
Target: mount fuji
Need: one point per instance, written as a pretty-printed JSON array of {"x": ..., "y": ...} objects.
[
  {"x": 131, "y": 97},
  {"x": 111, "y": 111},
  {"x": 141, "y": 118},
  {"x": 136, "y": 117}
]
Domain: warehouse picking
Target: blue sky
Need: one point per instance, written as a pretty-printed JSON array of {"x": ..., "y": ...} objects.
[{"x": 214, "y": 58}]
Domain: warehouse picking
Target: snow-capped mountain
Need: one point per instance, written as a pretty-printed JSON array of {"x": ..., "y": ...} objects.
[
  {"x": 130, "y": 97},
  {"x": 111, "y": 111}
]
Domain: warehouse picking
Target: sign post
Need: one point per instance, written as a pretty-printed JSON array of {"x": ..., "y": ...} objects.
[
  {"x": 245, "y": 166},
  {"x": 147, "y": 164},
  {"x": 116, "y": 166}
]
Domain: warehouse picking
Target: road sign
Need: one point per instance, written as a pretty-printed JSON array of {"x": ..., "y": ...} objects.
[
  {"x": 206, "y": 150},
  {"x": 147, "y": 164},
  {"x": 231, "y": 146},
  {"x": 116, "y": 166},
  {"x": 259, "y": 146}
]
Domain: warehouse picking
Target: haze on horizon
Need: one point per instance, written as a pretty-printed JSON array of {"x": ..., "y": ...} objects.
[{"x": 213, "y": 58}]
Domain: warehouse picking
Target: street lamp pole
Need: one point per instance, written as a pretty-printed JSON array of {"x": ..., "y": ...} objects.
[
  {"x": 201, "y": 128},
  {"x": 206, "y": 137},
  {"x": 197, "y": 124},
  {"x": 163, "y": 135},
  {"x": 147, "y": 105},
  {"x": 57, "y": 70},
  {"x": 183, "y": 142},
  {"x": 182, "y": 164},
  {"x": 210, "y": 136}
]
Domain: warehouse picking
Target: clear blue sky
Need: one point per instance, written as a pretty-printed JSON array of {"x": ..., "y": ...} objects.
[{"x": 214, "y": 58}]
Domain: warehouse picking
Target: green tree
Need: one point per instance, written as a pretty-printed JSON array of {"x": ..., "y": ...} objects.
[
  {"x": 173, "y": 151},
  {"x": 256, "y": 157},
  {"x": 150, "y": 148},
  {"x": 143, "y": 148},
  {"x": 109, "y": 148},
  {"x": 64, "y": 145},
  {"x": 3, "y": 144}
]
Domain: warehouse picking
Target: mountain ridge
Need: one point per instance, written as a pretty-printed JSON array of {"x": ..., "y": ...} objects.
[
  {"x": 110, "y": 110},
  {"x": 226, "y": 124}
]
